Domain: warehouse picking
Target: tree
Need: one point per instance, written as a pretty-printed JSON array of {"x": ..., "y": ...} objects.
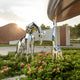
[
  {"x": 43, "y": 27},
  {"x": 48, "y": 27},
  {"x": 65, "y": 24},
  {"x": 75, "y": 31},
  {"x": 77, "y": 28}
]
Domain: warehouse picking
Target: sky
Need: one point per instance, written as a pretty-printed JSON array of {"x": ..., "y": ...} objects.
[{"x": 23, "y": 12}]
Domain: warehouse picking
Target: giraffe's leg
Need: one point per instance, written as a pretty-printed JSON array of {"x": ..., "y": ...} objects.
[
  {"x": 17, "y": 51},
  {"x": 32, "y": 48},
  {"x": 21, "y": 51},
  {"x": 28, "y": 45},
  {"x": 56, "y": 55},
  {"x": 22, "y": 46},
  {"x": 53, "y": 51},
  {"x": 40, "y": 41},
  {"x": 61, "y": 55}
]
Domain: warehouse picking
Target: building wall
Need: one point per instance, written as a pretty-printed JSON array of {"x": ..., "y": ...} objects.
[
  {"x": 48, "y": 35},
  {"x": 66, "y": 9},
  {"x": 63, "y": 35},
  {"x": 58, "y": 35},
  {"x": 67, "y": 35},
  {"x": 11, "y": 32}
]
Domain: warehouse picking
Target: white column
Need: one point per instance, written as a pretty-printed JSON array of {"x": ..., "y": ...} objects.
[
  {"x": 58, "y": 35},
  {"x": 67, "y": 35}
]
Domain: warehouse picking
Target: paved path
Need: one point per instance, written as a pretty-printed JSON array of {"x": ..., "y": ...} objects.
[
  {"x": 77, "y": 45},
  {"x": 14, "y": 78},
  {"x": 5, "y": 50}
]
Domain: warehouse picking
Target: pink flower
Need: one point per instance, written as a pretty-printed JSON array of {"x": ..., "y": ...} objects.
[
  {"x": 54, "y": 70},
  {"x": 29, "y": 67},
  {"x": 22, "y": 64},
  {"x": 28, "y": 64},
  {"x": 41, "y": 67},
  {"x": 0, "y": 72},
  {"x": 28, "y": 72},
  {"x": 34, "y": 72},
  {"x": 35, "y": 79},
  {"x": 58, "y": 69},
  {"x": 40, "y": 54},
  {"x": 6, "y": 66},
  {"x": 37, "y": 67},
  {"x": 4, "y": 70},
  {"x": 66, "y": 57},
  {"x": 43, "y": 62},
  {"x": 48, "y": 52},
  {"x": 36, "y": 59},
  {"x": 51, "y": 56},
  {"x": 39, "y": 62}
]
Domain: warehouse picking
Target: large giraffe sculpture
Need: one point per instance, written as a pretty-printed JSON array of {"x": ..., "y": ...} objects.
[
  {"x": 56, "y": 50},
  {"x": 28, "y": 41}
]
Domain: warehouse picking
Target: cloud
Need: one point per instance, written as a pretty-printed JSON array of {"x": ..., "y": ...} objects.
[
  {"x": 6, "y": 11},
  {"x": 25, "y": 11},
  {"x": 8, "y": 14},
  {"x": 10, "y": 3}
]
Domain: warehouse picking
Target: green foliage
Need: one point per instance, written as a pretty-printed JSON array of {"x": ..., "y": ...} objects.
[
  {"x": 75, "y": 31},
  {"x": 44, "y": 43},
  {"x": 7, "y": 45},
  {"x": 74, "y": 41},
  {"x": 13, "y": 64},
  {"x": 43, "y": 27},
  {"x": 69, "y": 48},
  {"x": 64, "y": 68},
  {"x": 42, "y": 67}
]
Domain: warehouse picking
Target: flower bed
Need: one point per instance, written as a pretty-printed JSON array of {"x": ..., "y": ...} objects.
[{"x": 42, "y": 67}]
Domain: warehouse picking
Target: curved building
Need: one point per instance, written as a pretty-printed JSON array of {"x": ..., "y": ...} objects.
[
  {"x": 63, "y": 9},
  {"x": 11, "y": 32}
]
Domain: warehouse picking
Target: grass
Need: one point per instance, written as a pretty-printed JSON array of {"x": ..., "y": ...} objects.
[
  {"x": 7, "y": 45},
  {"x": 74, "y": 41},
  {"x": 44, "y": 43},
  {"x": 37, "y": 43},
  {"x": 70, "y": 48}
]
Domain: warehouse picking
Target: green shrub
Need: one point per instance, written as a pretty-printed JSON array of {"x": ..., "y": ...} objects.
[
  {"x": 74, "y": 41},
  {"x": 42, "y": 67}
]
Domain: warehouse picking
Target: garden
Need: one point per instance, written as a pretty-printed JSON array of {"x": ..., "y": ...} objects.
[{"x": 42, "y": 67}]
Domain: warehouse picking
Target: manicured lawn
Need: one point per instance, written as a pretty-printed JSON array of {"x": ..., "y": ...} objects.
[
  {"x": 74, "y": 41},
  {"x": 44, "y": 43},
  {"x": 37, "y": 43},
  {"x": 6, "y": 45},
  {"x": 69, "y": 48}
]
